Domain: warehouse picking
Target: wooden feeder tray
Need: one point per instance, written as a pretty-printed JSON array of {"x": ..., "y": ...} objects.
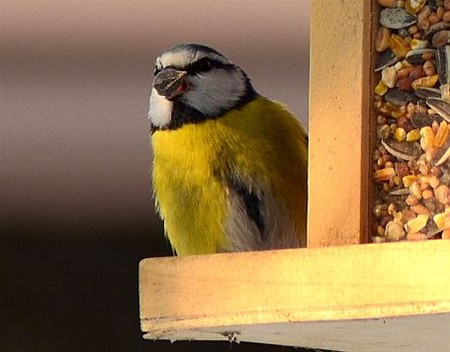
[{"x": 339, "y": 293}]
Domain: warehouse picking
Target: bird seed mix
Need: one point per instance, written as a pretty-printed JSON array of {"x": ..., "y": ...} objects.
[{"x": 411, "y": 160}]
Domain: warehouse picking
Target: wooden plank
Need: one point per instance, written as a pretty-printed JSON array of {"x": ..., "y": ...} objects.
[
  {"x": 339, "y": 122},
  {"x": 405, "y": 334},
  {"x": 304, "y": 297}
]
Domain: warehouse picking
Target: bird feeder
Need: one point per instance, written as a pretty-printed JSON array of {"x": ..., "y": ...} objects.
[{"x": 341, "y": 292}]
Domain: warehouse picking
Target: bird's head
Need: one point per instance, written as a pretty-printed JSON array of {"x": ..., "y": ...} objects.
[{"x": 193, "y": 83}]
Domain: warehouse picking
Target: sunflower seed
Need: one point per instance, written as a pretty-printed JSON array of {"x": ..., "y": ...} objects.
[
  {"x": 404, "y": 151},
  {"x": 441, "y": 107},
  {"x": 396, "y": 18}
]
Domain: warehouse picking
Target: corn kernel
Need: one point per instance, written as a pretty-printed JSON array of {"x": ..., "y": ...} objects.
[
  {"x": 398, "y": 66},
  {"x": 427, "y": 81},
  {"x": 418, "y": 44},
  {"x": 399, "y": 47},
  {"x": 434, "y": 182},
  {"x": 414, "y": 6},
  {"x": 416, "y": 224},
  {"x": 408, "y": 180},
  {"x": 415, "y": 190},
  {"x": 400, "y": 134},
  {"x": 385, "y": 174},
  {"x": 426, "y": 138},
  {"x": 381, "y": 89},
  {"x": 441, "y": 135},
  {"x": 413, "y": 135},
  {"x": 439, "y": 220}
]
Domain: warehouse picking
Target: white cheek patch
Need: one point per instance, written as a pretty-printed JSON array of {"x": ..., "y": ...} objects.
[
  {"x": 216, "y": 90},
  {"x": 160, "y": 113}
]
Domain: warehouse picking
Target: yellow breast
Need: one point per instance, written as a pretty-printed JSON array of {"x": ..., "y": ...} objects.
[{"x": 261, "y": 142}]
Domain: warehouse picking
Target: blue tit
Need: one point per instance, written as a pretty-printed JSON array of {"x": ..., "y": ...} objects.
[{"x": 229, "y": 165}]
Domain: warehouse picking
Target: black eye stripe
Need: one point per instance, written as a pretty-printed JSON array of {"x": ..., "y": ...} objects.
[
  {"x": 205, "y": 64},
  {"x": 202, "y": 65}
]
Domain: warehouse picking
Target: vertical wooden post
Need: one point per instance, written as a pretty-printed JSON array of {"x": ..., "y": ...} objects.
[
  {"x": 339, "y": 122},
  {"x": 331, "y": 298}
]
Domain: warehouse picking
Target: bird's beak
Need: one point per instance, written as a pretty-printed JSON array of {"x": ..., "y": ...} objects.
[{"x": 170, "y": 83}]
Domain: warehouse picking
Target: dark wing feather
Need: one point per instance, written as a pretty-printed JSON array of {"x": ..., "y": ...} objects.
[{"x": 252, "y": 200}]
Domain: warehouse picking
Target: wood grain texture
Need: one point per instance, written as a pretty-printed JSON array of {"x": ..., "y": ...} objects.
[
  {"x": 275, "y": 296},
  {"x": 339, "y": 122}
]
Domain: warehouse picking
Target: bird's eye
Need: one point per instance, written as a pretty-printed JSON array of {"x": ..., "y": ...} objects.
[{"x": 203, "y": 65}]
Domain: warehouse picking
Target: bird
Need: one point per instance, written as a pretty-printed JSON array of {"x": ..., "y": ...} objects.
[{"x": 229, "y": 170}]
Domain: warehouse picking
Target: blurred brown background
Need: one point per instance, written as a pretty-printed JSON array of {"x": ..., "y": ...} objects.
[{"x": 76, "y": 210}]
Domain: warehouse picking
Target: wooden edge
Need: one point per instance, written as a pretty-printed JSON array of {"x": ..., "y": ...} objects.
[
  {"x": 400, "y": 334},
  {"x": 300, "y": 285},
  {"x": 372, "y": 122},
  {"x": 339, "y": 122}
]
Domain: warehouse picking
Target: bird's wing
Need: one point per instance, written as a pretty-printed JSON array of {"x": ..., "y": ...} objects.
[
  {"x": 255, "y": 219},
  {"x": 245, "y": 224}
]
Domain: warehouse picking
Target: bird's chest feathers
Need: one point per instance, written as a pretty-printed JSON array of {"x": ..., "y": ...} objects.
[
  {"x": 191, "y": 198},
  {"x": 187, "y": 166},
  {"x": 189, "y": 154},
  {"x": 198, "y": 155}
]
